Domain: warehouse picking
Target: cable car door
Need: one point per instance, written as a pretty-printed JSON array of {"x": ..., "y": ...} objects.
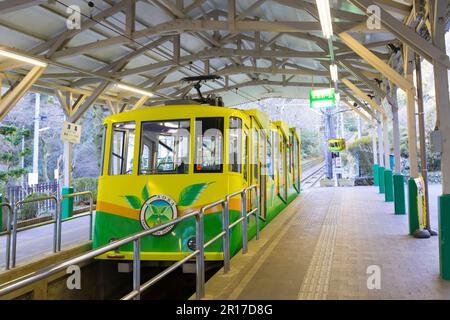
[{"x": 262, "y": 173}]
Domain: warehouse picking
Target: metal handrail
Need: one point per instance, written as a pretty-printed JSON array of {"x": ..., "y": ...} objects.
[
  {"x": 136, "y": 239},
  {"x": 8, "y": 232},
  {"x": 59, "y": 219},
  {"x": 15, "y": 230}
]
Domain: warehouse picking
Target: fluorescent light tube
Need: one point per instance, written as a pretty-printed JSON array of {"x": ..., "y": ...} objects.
[
  {"x": 323, "y": 7},
  {"x": 22, "y": 58},
  {"x": 135, "y": 90},
  {"x": 334, "y": 72}
]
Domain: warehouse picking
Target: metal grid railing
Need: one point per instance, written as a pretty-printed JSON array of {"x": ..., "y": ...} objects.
[
  {"x": 198, "y": 253},
  {"x": 12, "y": 230}
]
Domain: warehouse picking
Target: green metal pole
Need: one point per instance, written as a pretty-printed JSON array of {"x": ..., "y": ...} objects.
[
  {"x": 399, "y": 194},
  {"x": 381, "y": 179},
  {"x": 412, "y": 206},
  {"x": 376, "y": 181},
  {"x": 388, "y": 186},
  {"x": 67, "y": 204},
  {"x": 444, "y": 236}
]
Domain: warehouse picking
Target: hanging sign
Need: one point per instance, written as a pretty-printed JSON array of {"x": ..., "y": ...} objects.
[
  {"x": 71, "y": 132},
  {"x": 322, "y": 98},
  {"x": 421, "y": 202}
]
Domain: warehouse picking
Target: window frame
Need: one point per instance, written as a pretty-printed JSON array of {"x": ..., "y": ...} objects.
[
  {"x": 142, "y": 123},
  {"x": 221, "y": 170},
  {"x": 240, "y": 152},
  {"x": 125, "y": 150}
]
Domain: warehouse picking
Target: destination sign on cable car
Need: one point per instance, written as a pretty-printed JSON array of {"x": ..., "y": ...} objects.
[{"x": 322, "y": 98}]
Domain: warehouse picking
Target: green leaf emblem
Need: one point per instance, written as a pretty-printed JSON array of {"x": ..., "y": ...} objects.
[
  {"x": 191, "y": 193},
  {"x": 133, "y": 201},
  {"x": 145, "y": 193}
]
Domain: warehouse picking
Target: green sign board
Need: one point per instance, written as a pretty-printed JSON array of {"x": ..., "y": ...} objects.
[{"x": 322, "y": 98}]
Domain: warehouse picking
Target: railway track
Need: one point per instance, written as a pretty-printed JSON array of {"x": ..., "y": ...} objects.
[{"x": 312, "y": 172}]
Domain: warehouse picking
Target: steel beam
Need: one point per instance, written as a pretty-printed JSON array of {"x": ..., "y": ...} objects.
[
  {"x": 407, "y": 35},
  {"x": 9, "y": 6},
  {"x": 376, "y": 62},
  {"x": 102, "y": 87},
  {"x": 360, "y": 114},
  {"x": 10, "y": 99},
  {"x": 364, "y": 97}
]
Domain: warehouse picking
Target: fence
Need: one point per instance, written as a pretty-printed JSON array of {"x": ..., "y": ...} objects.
[
  {"x": 198, "y": 253},
  {"x": 43, "y": 208},
  {"x": 18, "y": 194}
]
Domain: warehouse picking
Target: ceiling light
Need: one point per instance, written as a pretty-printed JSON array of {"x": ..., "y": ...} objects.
[
  {"x": 334, "y": 72},
  {"x": 323, "y": 7},
  {"x": 135, "y": 90},
  {"x": 19, "y": 57}
]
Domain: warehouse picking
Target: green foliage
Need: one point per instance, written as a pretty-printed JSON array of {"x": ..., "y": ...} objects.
[
  {"x": 404, "y": 151},
  {"x": 311, "y": 144},
  {"x": 191, "y": 193},
  {"x": 362, "y": 148},
  {"x": 86, "y": 184},
  {"x": 11, "y": 153},
  {"x": 31, "y": 210}
]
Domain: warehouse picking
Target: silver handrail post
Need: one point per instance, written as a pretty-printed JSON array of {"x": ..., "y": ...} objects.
[
  {"x": 226, "y": 236},
  {"x": 8, "y": 234},
  {"x": 58, "y": 228},
  {"x": 244, "y": 221},
  {"x": 200, "y": 261},
  {"x": 14, "y": 236},
  {"x": 258, "y": 206},
  {"x": 137, "y": 268}
]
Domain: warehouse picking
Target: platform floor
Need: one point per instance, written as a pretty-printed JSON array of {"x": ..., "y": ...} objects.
[{"x": 321, "y": 247}]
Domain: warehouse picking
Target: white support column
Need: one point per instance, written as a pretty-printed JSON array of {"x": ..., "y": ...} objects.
[
  {"x": 37, "y": 118},
  {"x": 374, "y": 147},
  {"x": 442, "y": 95},
  {"x": 359, "y": 127},
  {"x": 380, "y": 144},
  {"x": 411, "y": 114},
  {"x": 67, "y": 164},
  {"x": 387, "y": 147}
]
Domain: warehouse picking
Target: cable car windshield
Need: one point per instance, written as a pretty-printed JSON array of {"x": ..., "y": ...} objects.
[{"x": 165, "y": 147}]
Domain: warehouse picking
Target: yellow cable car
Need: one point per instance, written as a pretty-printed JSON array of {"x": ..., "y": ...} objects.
[
  {"x": 160, "y": 163},
  {"x": 336, "y": 145}
]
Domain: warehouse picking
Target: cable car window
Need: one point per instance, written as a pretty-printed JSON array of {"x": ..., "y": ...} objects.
[
  {"x": 245, "y": 156},
  {"x": 290, "y": 153},
  {"x": 165, "y": 147},
  {"x": 269, "y": 158},
  {"x": 235, "y": 145},
  {"x": 282, "y": 168},
  {"x": 208, "y": 145},
  {"x": 255, "y": 154},
  {"x": 122, "y": 148}
]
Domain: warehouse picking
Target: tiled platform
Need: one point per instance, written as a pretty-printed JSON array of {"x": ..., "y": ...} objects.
[{"x": 321, "y": 247}]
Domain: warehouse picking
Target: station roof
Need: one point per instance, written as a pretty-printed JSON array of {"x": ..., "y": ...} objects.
[{"x": 261, "y": 48}]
